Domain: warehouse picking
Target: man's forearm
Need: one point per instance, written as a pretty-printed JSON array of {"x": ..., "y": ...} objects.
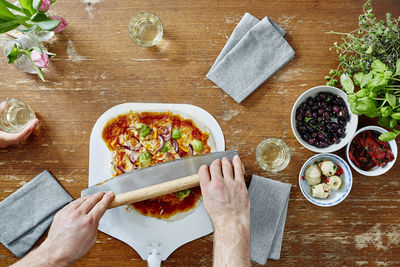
[
  {"x": 232, "y": 245},
  {"x": 41, "y": 257}
]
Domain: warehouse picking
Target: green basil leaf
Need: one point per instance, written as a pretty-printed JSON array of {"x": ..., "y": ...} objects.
[
  {"x": 397, "y": 67},
  {"x": 386, "y": 111},
  {"x": 357, "y": 78},
  {"x": 347, "y": 83},
  {"x": 391, "y": 99},
  {"x": 377, "y": 83},
  {"x": 366, "y": 78},
  {"x": 389, "y": 136},
  {"x": 362, "y": 93},
  {"x": 396, "y": 116},
  {"x": 27, "y": 7},
  {"x": 352, "y": 98},
  {"x": 378, "y": 66},
  {"x": 366, "y": 106},
  {"x": 393, "y": 123},
  {"x": 384, "y": 122}
]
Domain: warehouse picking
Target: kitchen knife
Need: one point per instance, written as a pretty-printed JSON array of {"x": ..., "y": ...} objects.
[{"x": 148, "y": 182}]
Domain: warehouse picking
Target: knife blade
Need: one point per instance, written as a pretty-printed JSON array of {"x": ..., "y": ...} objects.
[{"x": 160, "y": 173}]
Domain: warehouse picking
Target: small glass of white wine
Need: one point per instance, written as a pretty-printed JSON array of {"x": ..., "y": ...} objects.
[
  {"x": 273, "y": 154},
  {"x": 14, "y": 115},
  {"x": 146, "y": 29}
]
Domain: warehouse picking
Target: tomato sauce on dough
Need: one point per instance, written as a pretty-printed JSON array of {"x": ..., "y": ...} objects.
[{"x": 140, "y": 140}]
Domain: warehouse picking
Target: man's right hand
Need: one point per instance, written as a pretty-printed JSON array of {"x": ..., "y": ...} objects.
[
  {"x": 224, "y": 192},
  {"x": 227, "y": 202}
]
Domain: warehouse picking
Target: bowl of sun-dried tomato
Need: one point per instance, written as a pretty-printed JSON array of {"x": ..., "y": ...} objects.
[{"x": 368, "y": 155}]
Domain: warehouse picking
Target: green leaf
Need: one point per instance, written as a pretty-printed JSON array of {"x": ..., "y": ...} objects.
[
  {"x": 377, "y": 83},
  {"x": 11, "y": 6},
  {"x": 393, "y": 123},
  {"x": 362, "y": 93},
  {"x": 385, "y": 122},
  {"x": 6, "y": 14},
  {"x": 378, "y": 66},
  {"x": 8, "y": 26},
  {"x": 49, "y": 24},
  {"x": 366, "y": 78},
  {"x": 39, "y": 72},
  {"x": 369, "y": 50},
  {"x": 347, "y": 83},
  {"x": 27, "y": 7},
  {"x": 396, "y": 116},
  {"x": 397, "y": 67},
  {"x": 366, "y": 106},
  {"x": 391, "y": 99},
  {"x": 389, "y": 136},
  {"x": 357, "y": 78},
  {"x": 386, "y": 111},
  {"x": 36, "y": 4},
  {"x": 13, "y": 54}
]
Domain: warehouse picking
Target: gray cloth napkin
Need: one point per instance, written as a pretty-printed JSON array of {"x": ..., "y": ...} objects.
[
  {"x": 28, "y": 212},
  {"x": 255, "y": 51},
  {"x": 269, "y": 201}
]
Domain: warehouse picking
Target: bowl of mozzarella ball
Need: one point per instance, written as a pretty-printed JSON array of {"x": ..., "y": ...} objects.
[{"x": 325, "y": 180}]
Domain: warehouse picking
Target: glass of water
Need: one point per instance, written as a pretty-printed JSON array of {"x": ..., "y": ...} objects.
[
  {"x": 14, "y": 115},
  {"x": 273, "y": 154},
  {"x": 146, "y": 29}
]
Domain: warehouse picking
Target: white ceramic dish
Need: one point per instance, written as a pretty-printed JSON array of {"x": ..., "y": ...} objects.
[
  {"x": 152, "y": 238},
  {"x": 336, "y": 196},
  {"x": 376, "y": 170},
  {"x": 351, "y": 126}
]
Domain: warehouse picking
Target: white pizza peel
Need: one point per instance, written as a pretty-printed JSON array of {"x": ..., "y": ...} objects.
[{"x": 153, "y": 239}]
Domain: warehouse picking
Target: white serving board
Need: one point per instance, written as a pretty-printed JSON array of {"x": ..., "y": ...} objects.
[{"x": 145, "y": 234}]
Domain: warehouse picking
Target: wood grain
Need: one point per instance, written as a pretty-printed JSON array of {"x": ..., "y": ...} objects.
[{"x": 97, "y": 66}]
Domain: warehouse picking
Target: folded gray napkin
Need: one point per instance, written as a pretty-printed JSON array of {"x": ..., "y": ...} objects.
[
  {"x": 28, "y": 212},
  {"x": 253, "y": 53},
  {"x": 269, "y": 201}
]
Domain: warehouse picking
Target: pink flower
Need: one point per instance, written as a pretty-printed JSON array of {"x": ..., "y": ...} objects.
[
  {"x": 44, "y": 5},
  {"x": 40, "y": 60},
  {"x": 62, "y": 25}
]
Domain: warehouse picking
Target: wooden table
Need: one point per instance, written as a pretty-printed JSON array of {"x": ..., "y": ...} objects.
[{"x": 98, "y": 66}]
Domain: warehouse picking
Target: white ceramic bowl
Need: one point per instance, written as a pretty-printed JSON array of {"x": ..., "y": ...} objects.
[
  {"x": 351, "y": 126},
  {"x": 376, "y": 170},
  {"x": 335, "y": 197}
]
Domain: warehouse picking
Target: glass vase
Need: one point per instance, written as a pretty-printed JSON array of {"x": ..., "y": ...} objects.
[{"x": 23, "y": 62}]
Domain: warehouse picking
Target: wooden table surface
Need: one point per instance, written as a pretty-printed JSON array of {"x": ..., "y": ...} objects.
[{"x": 98, "y": 66}]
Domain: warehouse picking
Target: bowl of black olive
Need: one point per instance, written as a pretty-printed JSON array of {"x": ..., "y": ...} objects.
[{"x": 321, "y": 119}]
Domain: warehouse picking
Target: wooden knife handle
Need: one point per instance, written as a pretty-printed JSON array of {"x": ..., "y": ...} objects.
[{"x": 155, "y": 190}]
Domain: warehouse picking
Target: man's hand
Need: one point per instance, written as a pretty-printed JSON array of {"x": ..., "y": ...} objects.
[
  {"x": 72, "y": 233},
  {"x": 8, "y": 139},
  {"x": 227, "y": 202}
]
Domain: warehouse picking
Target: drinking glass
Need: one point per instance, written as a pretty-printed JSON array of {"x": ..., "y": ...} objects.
[
  {"x": 14, "y": 115},
  {"x": 273, "y": 154},
  {"x": 146, "y": 29}
]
